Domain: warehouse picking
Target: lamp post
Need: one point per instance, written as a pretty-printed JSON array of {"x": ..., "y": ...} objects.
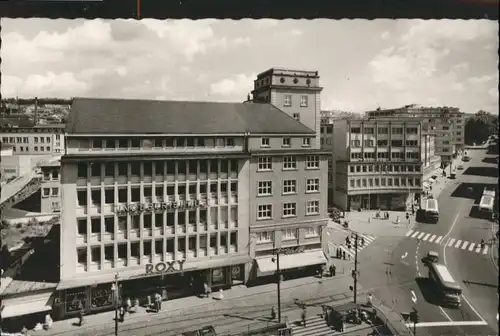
[
  {"x": 114, "y": 288},
  {"x": 278, "y": 280}
]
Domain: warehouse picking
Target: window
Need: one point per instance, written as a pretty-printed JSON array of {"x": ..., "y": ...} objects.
[
  {"x": 265, "y": 188},
  {"x": 313, "y": 231},
  {"x": 312, "y": 207},
  {"x": 287, "y": 100},
  {"x": 312, "y": 185},
  {"x": 289, "y": 162},
  {"x": 369, "y": 130},
  {"x": 289, "y": 209},
  {"x": 97, "y": 144},
  {"x": 351, "y": 169},
  {"x": 230, "y": 142},
  {"x": 289, "y": 187},
  {"x": 355, "y": 156},
  {"x": 312, "y": 162},
  {"x": 264, "y": 142},
  {"x": 265, "y": 163},
  {"x": 46, "y": 192},
  {"x": 355, "y": 130},
  {"x": 265, "y": 211},
  {"x": 382, "y": 182},
  {"x": 264, "y": 237},
  {"x": 369, "y": 143},
  {"x": 55, "y": 191},
  {"x": 289, "y": 234},
  {"x": 303, "y": 101},
  {"x": 296, "y": 116},
  {"x": 355, "y": 143},
  {"x": 286, "y": 142},
  {"x": 397, "y": 130},
  {"x": 351, "y": 183},
  {"x": 412, "y": 130},
  {"x": 382, "y": 143},
  {"x": 397, "y": 143},
  {"x": 306, "y": 142},
  {"x": 377, "y": 182}
]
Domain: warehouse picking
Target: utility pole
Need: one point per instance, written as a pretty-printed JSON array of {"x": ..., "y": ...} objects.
[
  {"x": 114, "y": 288},
  {"x": 355, "y": 275},
  {"x": 278, "y": 281}
]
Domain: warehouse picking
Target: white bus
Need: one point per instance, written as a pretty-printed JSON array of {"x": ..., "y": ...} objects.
[
  {"x": 486, "y": 206},
  {"x": 431, "y": 210},
  {"x": 445, "y": 287}
]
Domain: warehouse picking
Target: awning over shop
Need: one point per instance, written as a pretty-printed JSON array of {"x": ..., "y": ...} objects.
[
  {"x": 26, "y": 305},
  {"x": 267, "y": 266}
]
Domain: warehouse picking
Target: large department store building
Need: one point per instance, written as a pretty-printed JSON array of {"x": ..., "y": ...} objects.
[{"x": 166, "y": 196}]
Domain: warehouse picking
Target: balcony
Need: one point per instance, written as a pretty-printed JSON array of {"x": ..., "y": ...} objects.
[
  {"x": 212, "y": 251},
  {"x": 181, "y": 255},
  {"x": 191, "y": 228},
  {"x": 81, "y": 268},
  {"x": 121, "y": 262},
  {"x": 233, "y": 224},
  {"x": 107, "y": 264},
  {"x": 94, "y": 237},
  {"x": 158, "y": 231},
  {"x": 232, "y": 249},
  {"x": 147, "y": 232},
  {"x": 169, "y": 230},
  {"x": 202, "y": 252},
  {"x": 134, "y": 261},
  {"x": 134, "y": 234},
  {"x": 81, "y": 239},
  {"x": 180, "y": 229},
  {"x": 191, "y": 254},
  {"x": 121, "y": 234},
  {"x": 212, "y": 227},
  {"x": 108, "y": 236},
  {"x": 147, "y": 259},
  {"x": 223, "y": 250},
  {"x": 203, "y": 226},
  {"x": 94, "y": 266}
]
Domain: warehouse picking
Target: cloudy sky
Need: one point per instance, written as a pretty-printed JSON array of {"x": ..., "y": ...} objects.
[{"x": 363, "y": 64}]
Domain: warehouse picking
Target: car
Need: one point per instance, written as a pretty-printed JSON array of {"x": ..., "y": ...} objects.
[
  {"x": 466, "y": 158},
  {"x": 460, "y": 167}
]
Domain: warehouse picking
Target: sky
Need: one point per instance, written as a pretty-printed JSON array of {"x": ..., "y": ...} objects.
[{"x": 362, "y": 64}]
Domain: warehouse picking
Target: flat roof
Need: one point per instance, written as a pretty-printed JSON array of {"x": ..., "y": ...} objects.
[
  {"x": 21, "y": 286},
  {"x": 444, "y": 273}
]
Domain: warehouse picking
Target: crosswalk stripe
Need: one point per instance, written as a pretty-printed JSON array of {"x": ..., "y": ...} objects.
[
  {"x": 485, "y": 249},
  {"x": 432, "y": 238},
  {"x": 464, "y": 246},
  {"x": 458, "y": 243},
  {"x": 415, "y": 234},
  {"x": 439, "y": 239},
  {"x": 426, "y": 237},
  {"x": 478, "y": 248},
  {"x": 421, "y": 235},
  {"x": 409, "y": 233},
  {"x": 471, "y": 246},
  {"x": 451, "y": 241}
]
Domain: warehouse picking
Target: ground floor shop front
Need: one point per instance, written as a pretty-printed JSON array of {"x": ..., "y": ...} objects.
[
  {"x": 390, "y": 201},
  {"x": 169, "y": 283}
]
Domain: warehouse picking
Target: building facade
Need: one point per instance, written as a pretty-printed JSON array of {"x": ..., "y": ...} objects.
[
  {"x": 36, "y": 140},
  {"x": 446, "y": 123},
  {"x": 169, "y": 196},
  {"x": 376, "y": 164},
  {"x": 50, "y": 187}
]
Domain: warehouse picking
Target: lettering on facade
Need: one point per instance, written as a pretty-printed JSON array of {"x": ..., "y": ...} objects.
[
  {"x": 152, "y": 207},
  {"x": 292, "y": 250},
  {"x": 165, "y": 267}
]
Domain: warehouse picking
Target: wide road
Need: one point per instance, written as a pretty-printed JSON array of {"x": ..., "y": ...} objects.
[{"x": 455, "y": 237}]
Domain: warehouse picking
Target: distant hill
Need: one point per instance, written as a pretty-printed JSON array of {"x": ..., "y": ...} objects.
[{"x": 41, "y": 101}]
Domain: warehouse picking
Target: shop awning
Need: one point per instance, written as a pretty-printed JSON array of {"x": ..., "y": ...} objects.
[
  {"x": 26, "y": 305},
  {"x": 267, "y": 266}
]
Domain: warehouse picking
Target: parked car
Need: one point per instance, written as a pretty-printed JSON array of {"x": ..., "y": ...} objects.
[
  {"x": 466, "y": 158},
  {"x": 460, "y": 167}
]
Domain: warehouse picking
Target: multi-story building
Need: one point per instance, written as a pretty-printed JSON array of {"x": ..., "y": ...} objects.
[
  {"x": 431, "y": 162},
  {"x": 376, "y": 163},
  {"x": 50, "y": 187},
  {"x": 36, "y": 140},
  {"x": 167, "y": 196},
  {"x": 447, "y": 123}
]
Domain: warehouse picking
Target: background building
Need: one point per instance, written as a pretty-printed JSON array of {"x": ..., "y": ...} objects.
[
  {"x": 50, "y": 187},
  {"x": 447, "y": 123},
  {"x": 376, "y": 163},
  {"x": 36, "y": 140},
  {"x": 168, "y": 194}
]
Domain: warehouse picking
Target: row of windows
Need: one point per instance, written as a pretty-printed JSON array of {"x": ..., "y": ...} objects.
[
  {"x": 383, "y": 168},
  {"x": 213, "y": 216},
  {"x": 163, "y": 142},
  {"x": 287, "y": 234},
  {"x": 52, "y": 175},
  {"x": 170, "y": 167},
  {"x": 46, "y": 192},
  {"x": 265, "y": 163},
  {"x": 286, "y": 142},
  {"x": 223, "y": 239},
  {"x": 33, "y": 130},
  {"x": 123, "y": 194},
  {"x": 26, "y": 139},
  {"x": 289, "y": 187},
  {"x": 287, "y": 100},
  {"x": 384, "y": 130},
  {"x": 382, "y": 182},
  {"x": 385, "y": 155},
  {"x": 385, "y": 143},
  {"x": 288, "y": 209},
  {"x": 35, "y": 148}
]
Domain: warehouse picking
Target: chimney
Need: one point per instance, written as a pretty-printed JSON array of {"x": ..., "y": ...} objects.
[{"x": 35, "y": 117}]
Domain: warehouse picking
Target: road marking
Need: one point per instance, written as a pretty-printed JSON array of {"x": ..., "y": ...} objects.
[
  {"x": 458, "y": 244},
  {"x": 432, "y": 238},
  {"x": 478, "y": 248},
  {"x": 464, "y": 246},
  {"x": 409, "y": 233},
  {"x": 485, "y": 249},
  {"x": 413, "y": 296},
  {"x": 439, "y": 239},
  {"x": 447, "y": 324},
  {"x": 404, "y": 255},
  {"x": 421, "y": 235},
  {"x": 451, "y": 241},
  {"x": 473, "y": 309},
  {"x": 471, "y": 247},
  {"x": 415, "y": 234},
  {"x": 426, "y": 236}
]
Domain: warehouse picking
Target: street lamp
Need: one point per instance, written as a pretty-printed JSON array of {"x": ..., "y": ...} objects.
[
  {"x": 114, "y": 288},
  {"x": 278, "y": 280}
]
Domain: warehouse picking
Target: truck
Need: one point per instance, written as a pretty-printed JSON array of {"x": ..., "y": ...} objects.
[
  {"x": 431, "y": 210},
  {"x": 453, "y": 174},
  {"x": 488, "y": 191}
]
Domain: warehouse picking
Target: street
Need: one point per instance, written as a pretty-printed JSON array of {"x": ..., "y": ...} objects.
[{"x": 456, "y": 237}]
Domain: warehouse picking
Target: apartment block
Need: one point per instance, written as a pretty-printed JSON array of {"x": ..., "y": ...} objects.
[
  {"x": 34, "y": 140},
  {"x": 375, "y": 163},
  {"x": 50, "y": 186}
]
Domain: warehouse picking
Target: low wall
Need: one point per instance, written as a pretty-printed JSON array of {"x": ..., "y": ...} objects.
[{"x": 25, "y": 220}]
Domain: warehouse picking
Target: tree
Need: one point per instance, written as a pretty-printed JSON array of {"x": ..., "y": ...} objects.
[{"x": 479, "y": 127}]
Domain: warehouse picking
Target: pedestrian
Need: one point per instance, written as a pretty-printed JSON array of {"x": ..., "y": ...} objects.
[
  {"x": 407, "y": 216},
  {"x": 128, "y": 305},
  {"x": 362, "y": 241},
  {"x": 303, "y": 316},
  {"x": 413, "y": 210},
  {"x": 343, "y": 255},
  {"x": 81, "y": 312},
  {"x": 333, "y": 270},
  {"x": 397, "y": 220},
  {"x": 122, "y": 314},
  {"x": 369, "y": 300},
  {"x": 159, "y": 301},
  {"x": 48, "y": 322}
]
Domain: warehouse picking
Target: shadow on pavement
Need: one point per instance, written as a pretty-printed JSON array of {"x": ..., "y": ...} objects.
[
  {"x": 420, "y": 217},
  {"x": 468, "y": 282},
  {"x": 472, "y": 191},
  {"x": 492, "y": 160},
  {"x": 475, "y": 213},
  {"x": 482, "y": 171},
  {"x": 426, "y": 288}
]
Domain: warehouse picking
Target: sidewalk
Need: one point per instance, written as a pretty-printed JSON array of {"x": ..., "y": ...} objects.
[{"x": 238, "y": 297}]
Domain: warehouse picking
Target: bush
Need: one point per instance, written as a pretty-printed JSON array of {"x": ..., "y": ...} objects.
[{"x": 19, "y": 225}]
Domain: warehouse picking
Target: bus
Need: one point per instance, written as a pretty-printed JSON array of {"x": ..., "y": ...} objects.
[
  {"x": 486, "y": 205},
  {"x": 445, "y": 287},
  {"x": 431, "y": 210}
]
